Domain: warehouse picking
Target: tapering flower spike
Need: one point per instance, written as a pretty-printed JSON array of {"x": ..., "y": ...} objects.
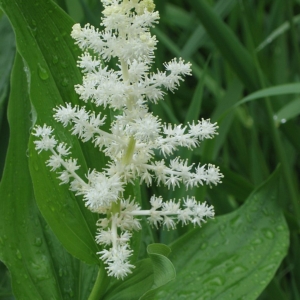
[{"x": 134, "y": 135}]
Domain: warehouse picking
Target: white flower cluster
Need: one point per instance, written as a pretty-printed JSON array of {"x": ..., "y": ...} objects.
[{"x": 135, "y": 133}]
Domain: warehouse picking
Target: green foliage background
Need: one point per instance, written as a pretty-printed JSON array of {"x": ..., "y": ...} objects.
[{"x": 246, "y": 62}]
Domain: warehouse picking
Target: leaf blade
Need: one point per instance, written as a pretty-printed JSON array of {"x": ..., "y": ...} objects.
[{"x": 228, "y": 258}]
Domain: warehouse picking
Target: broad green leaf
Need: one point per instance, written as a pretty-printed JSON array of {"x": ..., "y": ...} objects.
[
  {"x": 7, "y": 53},
  {"x": 228, "y": 44},
  {"x": 40, "y": 267},
  {"x": 163, "y": 269},
  {"x": 5, "y": 284},
  {"x": 148, "y": 277},
  {"x": 134, "y": 285},
  {"x": 234, "y": 184},
  {"x": 236, "y": 255},
  {"x": 42, "y": 32}
]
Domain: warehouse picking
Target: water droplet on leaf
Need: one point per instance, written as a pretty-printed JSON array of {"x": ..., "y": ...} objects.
[
  {"x": 38, "y": 242},
  {"x": 55, "y": 59},
  {"x": 65, "y": 82},
  {"x": 268, "y": 234},
  {"x": 42, "y": 72},
  {"x": 19, "y": 255}
]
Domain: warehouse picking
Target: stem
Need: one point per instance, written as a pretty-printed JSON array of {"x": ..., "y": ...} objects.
[
  {"x": 100, "y": 285},
  {"x": 109, "y": 136},
  {"x": 148, "y": 213},
  {"x": 129, "y": 151},
  {"x": 73, "y": 173},
  {"x": 114, "y": 232},
  {"x": 115, "y": 207},
  {"x": 124, "y": 67}
]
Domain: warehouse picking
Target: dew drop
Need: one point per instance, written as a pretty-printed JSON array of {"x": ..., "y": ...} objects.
[
  {"x": 18, "y": 254},
  {"x": 60, "y": 272},
  {"x": 65, "y": 82},
  {"x": 203, "y": 246},
  {"x": 266, "y": 211},
  {"x": 34, "y": 31},
  {"x": 237, "y": 269},
  {"x": 279, "y": 228},
  {"x": 64, "y": 64},
  {"x": 38, "y": 242},
  {"x": 69, "y": 291},
  {"x": 42, "y": 73},
  {"x": 35, "y": 166},
  {"x": 214, "y": 281},
  {"x": 55, "y": 59},
  {"x": 268, "y": 234},
  {"x": 256, "y": 241}
]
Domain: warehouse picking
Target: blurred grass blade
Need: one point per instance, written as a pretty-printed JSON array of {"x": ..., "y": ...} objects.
[
  {"x": 277, "y": 32},
  {"x": 211, "y": 84},
  {"x": 199, "y": 36},
  {"x": 228, "y": 44},
  {"x": 211, "y": 148},
  {"x": 285, "y": 89},
  {"x": 176, "y": 15},
  {"x": 288, "y": 111},
  {"x": 195, "y": 106}
]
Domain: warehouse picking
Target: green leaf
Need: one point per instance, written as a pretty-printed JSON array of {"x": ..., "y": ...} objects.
[
  {"x": 43, "y": 39},
  {"x": 163, "y": 269},
  {"x": 288, "y": 111},
  {"x": 231, "y": 49},
  {"x": 148, "y": 277},
  {"x": 236, "y": 255},
  {"x": 284, "y": 89},
  {"x": 276, "y": 33},
  {"x": 39, "y": 265},
  {"x": 7, "y": 53}
]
